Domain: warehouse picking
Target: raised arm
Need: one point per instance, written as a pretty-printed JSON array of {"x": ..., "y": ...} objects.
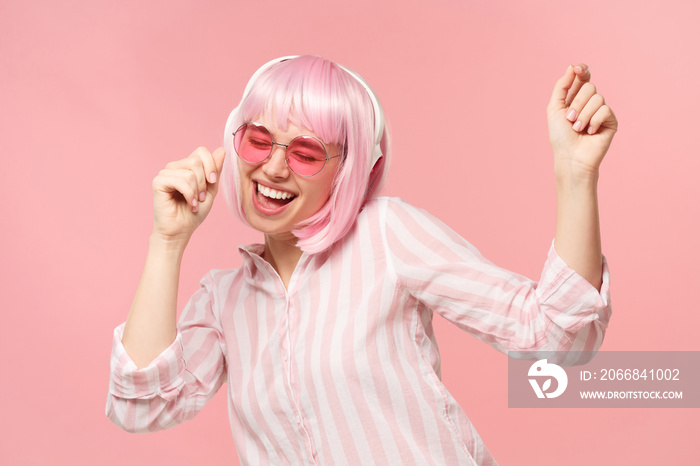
[
  {"x": 183, "y": 194},
  {"x": 581, "y": 128}
]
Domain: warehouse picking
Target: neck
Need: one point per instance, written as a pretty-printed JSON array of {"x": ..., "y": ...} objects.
[{"x": 283, "y": 255}]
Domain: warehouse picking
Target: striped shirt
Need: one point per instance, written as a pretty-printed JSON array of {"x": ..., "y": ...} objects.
[{"x": 343, "y": 366}]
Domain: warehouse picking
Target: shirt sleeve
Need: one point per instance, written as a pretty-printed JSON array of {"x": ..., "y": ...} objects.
[
  {"x": 176, "y": 385},
  {"x": 562, "y": 312}
]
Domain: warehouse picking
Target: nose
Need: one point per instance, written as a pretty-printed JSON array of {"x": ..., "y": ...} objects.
[{"x": 276, "y": 165}]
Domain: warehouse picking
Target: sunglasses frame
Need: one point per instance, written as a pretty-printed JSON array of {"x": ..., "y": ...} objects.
[{"x": 286, "y": 146}]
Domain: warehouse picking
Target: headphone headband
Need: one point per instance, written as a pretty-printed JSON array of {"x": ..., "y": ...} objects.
[{"x": 378, "y": 112}]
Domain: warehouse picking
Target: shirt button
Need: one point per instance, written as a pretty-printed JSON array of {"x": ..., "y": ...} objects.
[{"x": 285, "y": 356}]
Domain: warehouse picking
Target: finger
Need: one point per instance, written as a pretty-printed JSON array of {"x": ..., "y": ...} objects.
[
  {"x": 169, "y": 181},
  {"x": 177, "y": 164},
  {"x": 218, "y": 157},
  {"x": 603, "y": 118},
  {"x": 584, "y": 95},
  {"x": 194, "y": 163},
  {"x": 188, "y": 176},
  {"x": 561, "y": 87},
  {"x": 208, "y": 163},
  {"x": 591, "y": 107},
  {"x": 583, "y": 75},
  {"x": 196, "y": 166}
]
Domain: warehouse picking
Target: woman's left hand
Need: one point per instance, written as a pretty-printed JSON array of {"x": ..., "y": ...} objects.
[{"x": 581, "y": 125}]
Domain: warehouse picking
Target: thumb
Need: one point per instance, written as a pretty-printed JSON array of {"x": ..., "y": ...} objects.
[
  {"x": 219, "y": 155},
  {"x": 561, "y": 88}
]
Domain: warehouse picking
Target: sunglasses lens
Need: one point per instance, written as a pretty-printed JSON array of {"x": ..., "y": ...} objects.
[
  {"x": 306, "y": 155},
  {"x": 253, "y": 143}
]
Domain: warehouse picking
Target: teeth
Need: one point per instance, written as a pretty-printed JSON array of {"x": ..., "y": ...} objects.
[{"x": 273, "y": 193}]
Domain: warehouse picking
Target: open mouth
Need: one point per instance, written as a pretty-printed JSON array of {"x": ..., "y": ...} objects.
[{"x": 272, "y": 198}]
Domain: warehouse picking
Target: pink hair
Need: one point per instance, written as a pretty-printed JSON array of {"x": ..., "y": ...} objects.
[{"x": 317, "y": 94}]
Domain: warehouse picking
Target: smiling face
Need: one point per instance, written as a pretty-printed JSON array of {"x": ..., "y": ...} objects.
[
  {"x": 319, "y": 96},
  {"x": 275, "y": 199}
]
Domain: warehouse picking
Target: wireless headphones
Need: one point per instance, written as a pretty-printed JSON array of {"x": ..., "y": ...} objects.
[{"x": 378, "y": 112}]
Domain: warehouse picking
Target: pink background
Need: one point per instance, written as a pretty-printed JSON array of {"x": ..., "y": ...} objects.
[{"x": 97, "y": 96}]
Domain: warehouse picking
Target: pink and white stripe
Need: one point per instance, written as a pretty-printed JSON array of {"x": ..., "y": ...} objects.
[{"x": 343, "y": 367}]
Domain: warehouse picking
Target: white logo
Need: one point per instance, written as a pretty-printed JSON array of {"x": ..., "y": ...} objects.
[{"x": 542, "y": 369}]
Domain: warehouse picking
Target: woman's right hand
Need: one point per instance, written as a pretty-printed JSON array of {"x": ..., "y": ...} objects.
[{"x": 183, "y": 194}]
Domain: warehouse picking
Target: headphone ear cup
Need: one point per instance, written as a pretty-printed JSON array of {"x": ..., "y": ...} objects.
[
  {"x": 377, "y": 155},
  {"x": 379, "y": 121},
  {"x": 374, "y": 176}
]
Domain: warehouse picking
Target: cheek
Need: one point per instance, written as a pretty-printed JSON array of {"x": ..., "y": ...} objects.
[
  {"x": 325, "y": 190},
  {"x": 244, "y": 172},
  {"x": 242, "y": 167},
  {"x": 244, "y": 185},
  {"x": 316, "y": 194}
]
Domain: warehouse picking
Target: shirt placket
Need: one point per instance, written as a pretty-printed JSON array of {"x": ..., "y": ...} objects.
[{"x": 292, "y": 383}]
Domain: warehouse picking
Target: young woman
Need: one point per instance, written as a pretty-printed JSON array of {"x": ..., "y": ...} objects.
[{"x": 324, "y": 334}]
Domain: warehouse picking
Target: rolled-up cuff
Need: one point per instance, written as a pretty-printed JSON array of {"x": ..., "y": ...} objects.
[
  {"x": 162, "y": 377},
  {"x": 568, "y": 299}
]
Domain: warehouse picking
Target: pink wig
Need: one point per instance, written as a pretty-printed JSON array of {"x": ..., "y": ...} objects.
[{"x": 317, "y": 94}]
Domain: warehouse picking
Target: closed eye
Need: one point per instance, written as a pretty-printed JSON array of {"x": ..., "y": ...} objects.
[
  {"x": 259, "y": 143},
  {"x": 309, "y": 157}
]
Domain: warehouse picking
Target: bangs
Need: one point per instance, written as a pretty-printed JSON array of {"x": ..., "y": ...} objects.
[{"x": 305, "y": 92}]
